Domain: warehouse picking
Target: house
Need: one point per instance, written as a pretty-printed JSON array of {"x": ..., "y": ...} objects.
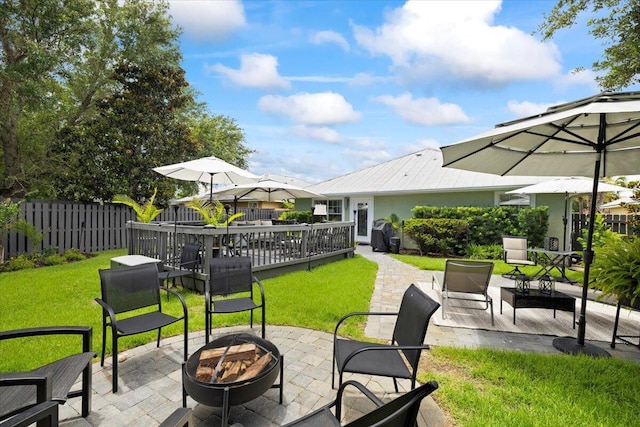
[
  {"x": 616, "y": 207},
  {"x": 418, "y": 179}
]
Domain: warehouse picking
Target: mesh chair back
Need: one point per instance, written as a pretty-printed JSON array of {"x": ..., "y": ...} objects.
[
  {"x": 467, "y": 276},
  {"x": 400, "y": 412},
  {"x": 515, "y": 247},
  {"x": 230, "y": 275},
  {"x": 190, "y": 255},
  {"x": 413, "y": 319},
  {"x": 129, "y": 288}
]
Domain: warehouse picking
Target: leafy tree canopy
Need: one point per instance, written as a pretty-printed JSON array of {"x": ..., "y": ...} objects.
[{"x": 617, "y": 23}]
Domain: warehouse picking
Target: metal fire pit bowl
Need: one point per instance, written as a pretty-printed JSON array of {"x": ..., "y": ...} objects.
[{"x": 225, "y": 395}]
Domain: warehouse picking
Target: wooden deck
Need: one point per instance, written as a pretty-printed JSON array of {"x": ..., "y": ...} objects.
[{"x": 274, "y": 249}]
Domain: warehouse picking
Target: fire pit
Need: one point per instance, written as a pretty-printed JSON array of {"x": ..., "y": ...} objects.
[{"x": 231, "y": 370}]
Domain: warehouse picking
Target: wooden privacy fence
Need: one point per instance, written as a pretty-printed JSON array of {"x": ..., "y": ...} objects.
[
  {"x": 617, "y": 224},
  {"x": 92, "y": 227}
]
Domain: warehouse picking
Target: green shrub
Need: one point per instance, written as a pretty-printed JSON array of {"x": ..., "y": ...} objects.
[
  {"x": 299, "y": 216},
  {"x": 21, "y": 262},
  {"x": 616, "y": 268},
  {"x": 54, "y": 259},
  {"x": 438, "y": 235},
  {"x": 484, "y": 251},
  {"x": 487, "y": 225},
  {"x": 74, "y": 254}
]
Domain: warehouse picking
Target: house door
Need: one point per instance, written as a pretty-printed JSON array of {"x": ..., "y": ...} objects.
[{"x": 363, "y": 213}]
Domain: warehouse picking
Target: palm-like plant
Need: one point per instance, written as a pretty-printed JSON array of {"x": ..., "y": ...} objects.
[
  {"x": 146, "y": 212},
  {"x": 212, "y": 212}
]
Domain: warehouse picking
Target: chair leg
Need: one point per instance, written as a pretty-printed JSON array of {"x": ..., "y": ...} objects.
[
  {"x": 159, "y": 332},
  {"x": 263, "y": 328},
  {"x": 86, "y": 390},
  {"x": 104, "y": 341},
  {"x": 186, "y": 339},
  {"x": 114, "y": 362},
  {"x": 395, "y": 384}
]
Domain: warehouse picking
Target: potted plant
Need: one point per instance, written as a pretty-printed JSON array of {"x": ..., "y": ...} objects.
[
  {"x": 616, "y": 269},
  {"x": 145, "y": 213},
  {"x": 212, "y": 212}
]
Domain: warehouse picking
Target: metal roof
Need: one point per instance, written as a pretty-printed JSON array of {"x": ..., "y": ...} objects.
[{"x": 419, "y": 172}]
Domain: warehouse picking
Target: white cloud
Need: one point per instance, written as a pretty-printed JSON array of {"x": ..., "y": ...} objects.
[
  {"x": 325, "y": 108},
  {"x": 321, "y": 133},
  {"x": 419, "y": 145},
  {"x": 585, "y": 78},
  {"x": 208, "y": 19},
  {"x": 458, "y": 40},
  {"x": 256, "y": 70},
  {"x": 366, "y": 79},
  {"x": 526, "y": 108},
  {"x": 322, "y": 37},
  {"x": 424, "y": 111}
]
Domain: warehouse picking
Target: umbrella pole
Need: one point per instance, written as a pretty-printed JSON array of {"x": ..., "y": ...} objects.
[
  {"x": 564, "y": 222},
  {"x": 578, "y": 346}
]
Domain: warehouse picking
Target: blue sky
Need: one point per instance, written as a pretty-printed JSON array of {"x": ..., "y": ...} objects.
[{"x": 324, "y": 88}]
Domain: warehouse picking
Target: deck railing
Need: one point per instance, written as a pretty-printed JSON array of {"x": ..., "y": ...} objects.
[{"x": 272, "y": 248}]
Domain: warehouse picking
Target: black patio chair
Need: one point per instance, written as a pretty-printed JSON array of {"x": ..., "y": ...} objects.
[
  {"x": 184, "y": 266},
  {"x": 27, "y": 397},
  {"x": 387, "y": 359},
  {"x": 124, "y": 290},
  {"x": 230, "y": 290},
  {"x": 400, "y": 412}
]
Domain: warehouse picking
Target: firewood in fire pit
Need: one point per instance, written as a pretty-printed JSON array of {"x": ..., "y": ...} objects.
[
  {"x": 204, "y": 373},
  {"x": 257, "y": 367},
  {"x": 210, "y": 357}
]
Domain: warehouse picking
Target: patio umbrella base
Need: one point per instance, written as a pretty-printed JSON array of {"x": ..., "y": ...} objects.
[{"x": 570, "y": 345}]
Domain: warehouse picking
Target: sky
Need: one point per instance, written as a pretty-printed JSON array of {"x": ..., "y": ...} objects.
[{"x": 324, "y": 88}]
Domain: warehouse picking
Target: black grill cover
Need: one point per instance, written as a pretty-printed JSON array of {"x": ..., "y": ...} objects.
[{"x": 381, "y": 234}]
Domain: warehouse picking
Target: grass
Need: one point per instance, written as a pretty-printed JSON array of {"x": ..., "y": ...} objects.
[
  {"x": 477, "y": 387},
  {"x": 501, "y": 388},
  {"x": 64, "y": 295}
]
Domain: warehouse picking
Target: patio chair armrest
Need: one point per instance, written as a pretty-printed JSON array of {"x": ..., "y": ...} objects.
[
  {"x": 43, "y": 389},
  {"x": 180, "y": 297},
  {"x": 361, "y": 313},
  {"x": 260, "y": 287},
  {"x": 85, "y": 331},
  {"x": 378, "y": 348},
  {"x": 33, "y": 415},
  {"x": 107, "y": 308},
  {"x": 338, "y": 402}
]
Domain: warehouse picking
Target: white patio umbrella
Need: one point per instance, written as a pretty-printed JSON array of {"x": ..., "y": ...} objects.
[
  {"x": 267, "y": 190},
  {"x": 210, "y": 170},
  {"x": 598, "y": 136},
  {"x": 567, "y": 186}
]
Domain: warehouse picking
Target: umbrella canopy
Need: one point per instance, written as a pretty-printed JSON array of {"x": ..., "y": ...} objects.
[
  {"x": 267, "y": 190},
  {"x": 570, "y": 185},
  {"x": 567, "y": 185},
  {"x": 210, "y": 170},
  {"x": 597, "y": 136}
]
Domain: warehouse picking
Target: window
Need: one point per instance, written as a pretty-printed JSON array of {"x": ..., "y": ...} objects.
[{"x": 334, "y": 208}]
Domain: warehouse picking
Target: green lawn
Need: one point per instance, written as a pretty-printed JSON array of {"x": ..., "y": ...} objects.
[{"x": 477, "y": 387}]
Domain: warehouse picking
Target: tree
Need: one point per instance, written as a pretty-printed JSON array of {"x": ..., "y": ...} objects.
[
  {"x": 37, "y": 39},
  {"x": 617, "y": 22},
  {"x": 138, "y": 128},
  {"x": 56, "y": 62},
  {"x": 219, "y": 136}
]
